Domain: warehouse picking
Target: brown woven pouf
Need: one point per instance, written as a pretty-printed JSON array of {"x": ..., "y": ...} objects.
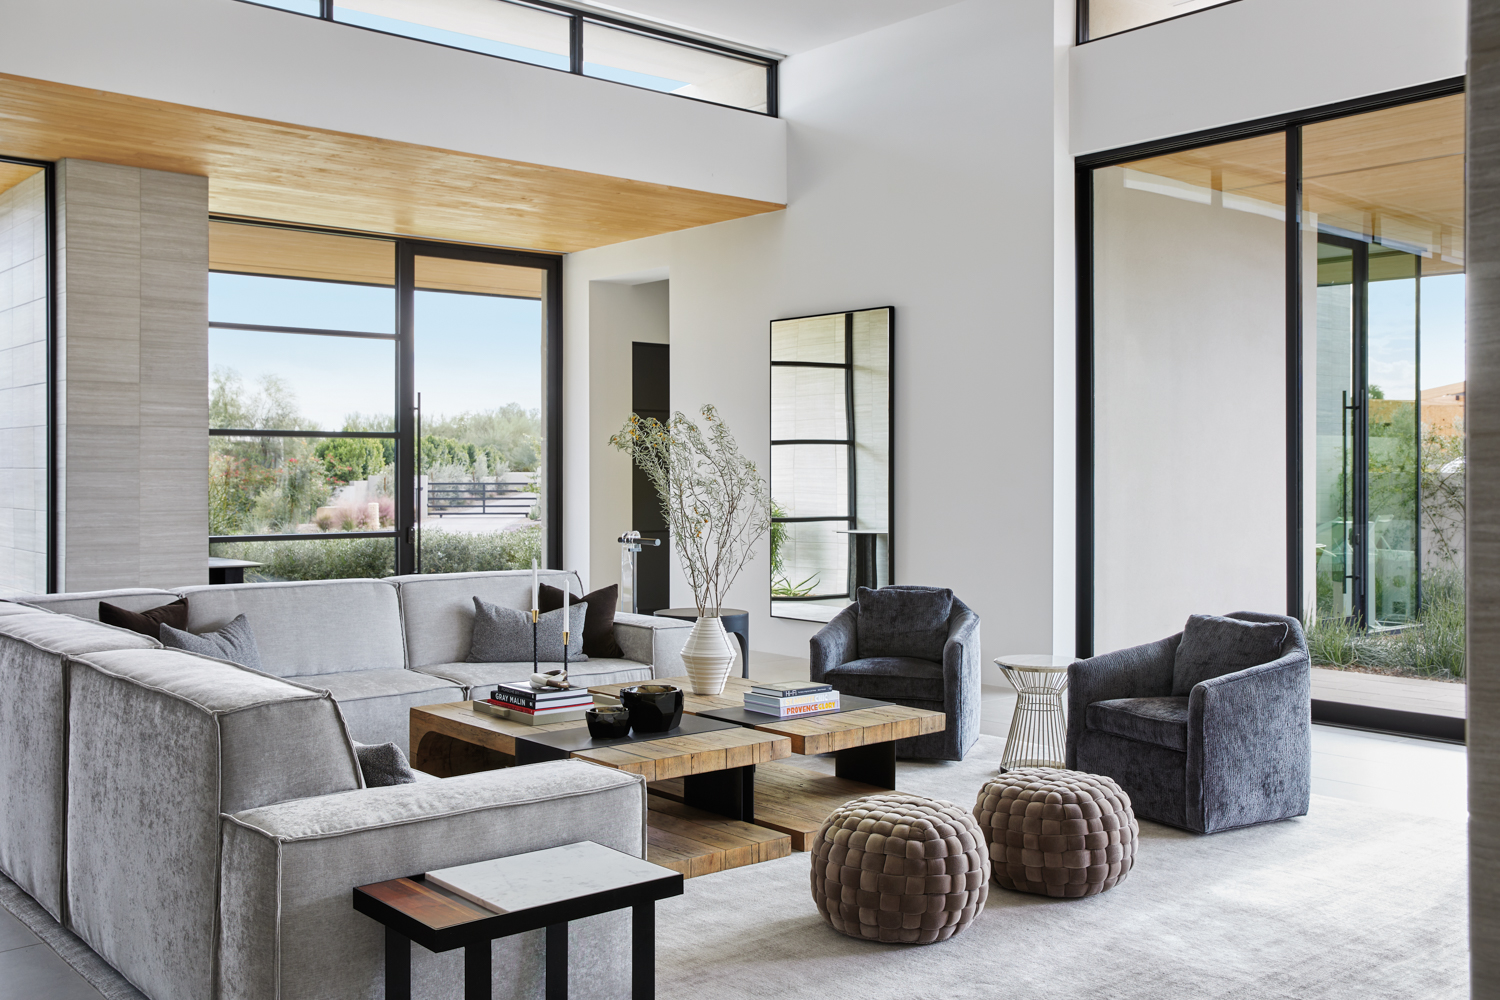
[
  {"x": 1058, "y": 833},
  {"x": 899, "y": 868}
]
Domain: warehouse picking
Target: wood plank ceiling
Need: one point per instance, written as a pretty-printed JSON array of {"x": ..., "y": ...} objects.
[
  {"x": 1395, "y": 175},
  {"x": 275, "y": 171}
]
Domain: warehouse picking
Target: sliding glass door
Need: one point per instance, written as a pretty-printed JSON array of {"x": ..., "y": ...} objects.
[{"x": 380, "y": 406}]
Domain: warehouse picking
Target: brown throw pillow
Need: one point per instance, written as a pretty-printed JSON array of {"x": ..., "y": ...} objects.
[
  {"x": 598, "y": 620},
  {"x": 146, "y": 622}
]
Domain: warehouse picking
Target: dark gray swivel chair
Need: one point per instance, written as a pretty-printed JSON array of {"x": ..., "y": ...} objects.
[
  {"x": 1236, "y": 750},
  {"x": 947, "y": 680}
]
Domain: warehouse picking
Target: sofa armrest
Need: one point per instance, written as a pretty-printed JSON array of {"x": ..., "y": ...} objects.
[
  {"x": 287, "y": 872},
  {"x": 1249, "y": 744},
  {"x": 1137, "y": 672},
  {"x": 654, "y": 641},
  {"x": 834, "y": 645}
]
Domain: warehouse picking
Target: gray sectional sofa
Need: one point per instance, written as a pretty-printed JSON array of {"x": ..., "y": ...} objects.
[{"x": 200, "y": 825}]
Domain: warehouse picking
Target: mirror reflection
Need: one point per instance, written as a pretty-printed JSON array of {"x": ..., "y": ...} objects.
[{"x": 830, "y": 460}]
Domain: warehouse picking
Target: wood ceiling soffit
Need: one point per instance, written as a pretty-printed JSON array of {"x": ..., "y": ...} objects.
[
  {"x": 261, "y": 169},
  {"x": 12, "y": 174}
]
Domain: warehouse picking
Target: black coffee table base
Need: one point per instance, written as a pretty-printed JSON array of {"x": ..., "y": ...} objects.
[{"x": 872, "y": 764}]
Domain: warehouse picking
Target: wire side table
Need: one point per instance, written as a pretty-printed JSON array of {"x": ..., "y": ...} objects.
[{"x": 1038, "y": 730}]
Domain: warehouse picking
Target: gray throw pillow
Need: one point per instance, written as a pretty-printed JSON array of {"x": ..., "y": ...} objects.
[
  {"x": 503, "y": 635},
  {"x": 1213, "y": 646},
  {"x": 383, "y": 764},
  {"x": 903, "y": 621},
  {"x": 234, "y": 642}
]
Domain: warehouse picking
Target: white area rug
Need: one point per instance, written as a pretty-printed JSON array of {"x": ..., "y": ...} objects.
[{"x": 1347, "y": 902}]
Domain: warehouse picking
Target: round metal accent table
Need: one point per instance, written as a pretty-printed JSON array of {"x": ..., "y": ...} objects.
[{"x": 1038, "y": 730}]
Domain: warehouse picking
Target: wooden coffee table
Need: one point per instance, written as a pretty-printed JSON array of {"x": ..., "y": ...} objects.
[
  {"x": 711, "y": 762},
  {"x": 796, "y": 800}
]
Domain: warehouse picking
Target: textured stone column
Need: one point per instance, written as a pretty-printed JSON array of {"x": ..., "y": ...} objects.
[
  {"x": 133, "y": 377},
  {"x": 1483, "y": 479}
]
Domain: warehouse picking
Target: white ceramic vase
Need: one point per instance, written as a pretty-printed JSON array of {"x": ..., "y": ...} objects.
[{"x": 708, "y": 656}]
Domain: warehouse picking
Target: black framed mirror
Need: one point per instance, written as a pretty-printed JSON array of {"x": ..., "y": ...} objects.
[{"x": 831, "y": 460}]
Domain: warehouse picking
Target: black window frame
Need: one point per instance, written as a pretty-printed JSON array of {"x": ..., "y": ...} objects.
[
  {"x": 1082, "y": 15},
  {"x": 407, "y": 419},
  {"x": 1290, "y": 125},
  {"x": 50, "y": 351},
  {"x": 577, "y": 19}
]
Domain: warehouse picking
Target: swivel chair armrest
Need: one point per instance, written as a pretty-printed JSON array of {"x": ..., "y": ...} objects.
[
  {"x": 1137, "y": 672},
  {"x": 835, "y": 644},
  {"x": 1256, "y": 722}
]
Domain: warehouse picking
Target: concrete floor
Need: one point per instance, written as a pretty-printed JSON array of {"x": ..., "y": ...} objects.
[{"x": 1364, "y": 767}]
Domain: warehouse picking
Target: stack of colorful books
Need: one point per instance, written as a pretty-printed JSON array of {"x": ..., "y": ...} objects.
[
  {"x": 522, "y": 703},
  {"x": 789, "y": 698}
]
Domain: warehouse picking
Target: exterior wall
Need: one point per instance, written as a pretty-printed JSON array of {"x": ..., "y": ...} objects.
[
  {"x": 1483, "y": 475},
  {"x": 922, "y": 171},
  {"x": 23, "y": 387},
  {"x": 133, "y": 378},
  {"x": 258, "y": 62}
]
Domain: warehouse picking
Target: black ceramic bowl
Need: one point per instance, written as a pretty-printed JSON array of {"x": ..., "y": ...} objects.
[
  {"x": 608, "y": 722},
  {"x": 654, "y": 708}
]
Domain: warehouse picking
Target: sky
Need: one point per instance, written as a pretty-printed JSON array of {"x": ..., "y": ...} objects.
[
  {"x": 473, "y": 352},
  {"x": 1392, "y": 360}
]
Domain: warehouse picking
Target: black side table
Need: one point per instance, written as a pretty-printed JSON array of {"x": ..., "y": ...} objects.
[
  {"x": 442, "y": 910},
  {"x": 736, "y": 621}
]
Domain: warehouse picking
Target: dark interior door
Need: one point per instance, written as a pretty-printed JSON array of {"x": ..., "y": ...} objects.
[{"x": 650, "y": 397}]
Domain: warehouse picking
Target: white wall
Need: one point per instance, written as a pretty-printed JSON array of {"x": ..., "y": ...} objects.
[
  {"x": 236, "y": 57},
  {"x": 1257, "y": 58},
  {"x": 921, "y": 170},
  {"x": 1190, "y": 404}
]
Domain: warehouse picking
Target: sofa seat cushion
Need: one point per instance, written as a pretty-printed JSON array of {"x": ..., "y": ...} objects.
[
  {"x": 889, "y": 678},
  {"x": 481, "y": 676},
  {"x": 1159, "y": 721},
  {"x": 377, "y": 704}
]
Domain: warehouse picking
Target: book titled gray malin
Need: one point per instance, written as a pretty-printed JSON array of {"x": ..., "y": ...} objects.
[{"x": 786, "y": 699}]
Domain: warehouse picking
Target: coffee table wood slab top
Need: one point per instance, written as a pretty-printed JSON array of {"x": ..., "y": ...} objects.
[
  {"x": 698, "y": 746},
  {"x": 823, "y": 733},
  {"x": 459, "y": 720}
]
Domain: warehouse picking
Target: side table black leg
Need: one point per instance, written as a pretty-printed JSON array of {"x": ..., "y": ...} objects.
[
  {"x": 477, "y": 972},
  {"x": 643, "y": 951},
  {"x": 397, "y": 965},
  {"x": 873, "y": 764},
  {"x": 557, "y": 961}
]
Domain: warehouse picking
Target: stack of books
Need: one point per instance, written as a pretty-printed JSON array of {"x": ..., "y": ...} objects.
[
  {"x": 521, "y": 703},
  {"x": 789, "y": 698}
]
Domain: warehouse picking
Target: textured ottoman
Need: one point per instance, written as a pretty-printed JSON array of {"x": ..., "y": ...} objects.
[
  {"x": 899, "y": 868},
  {"x": 1059, "y": 833}
]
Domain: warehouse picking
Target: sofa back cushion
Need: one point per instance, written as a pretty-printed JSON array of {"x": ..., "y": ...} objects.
[
  {"x": 308, "y": 627},
  {"x": 437, "y": 611},
  {"x": 160, "y": 744},
  {"x": 34, "y": 648},
  {"x": 86, "y": 604},
  {"x": 903, "y": 621},
  {"x": 1213, "y": 645}
]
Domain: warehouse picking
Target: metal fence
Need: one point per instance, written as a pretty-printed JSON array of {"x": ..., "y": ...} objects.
[{"x": 478, "y": 498}]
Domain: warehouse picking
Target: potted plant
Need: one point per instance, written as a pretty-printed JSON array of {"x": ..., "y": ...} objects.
[{"x": 717, "y": 507}]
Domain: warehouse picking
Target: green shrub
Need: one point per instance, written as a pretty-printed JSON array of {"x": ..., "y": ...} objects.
[
  {"x": 1431, "y": 647},
  {"x": 345, "y": 558}
]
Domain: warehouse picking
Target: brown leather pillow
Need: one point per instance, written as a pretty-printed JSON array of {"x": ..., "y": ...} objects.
[
  {"x": 146, "y": 622},
  {"x": 598, "y": 620}
]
